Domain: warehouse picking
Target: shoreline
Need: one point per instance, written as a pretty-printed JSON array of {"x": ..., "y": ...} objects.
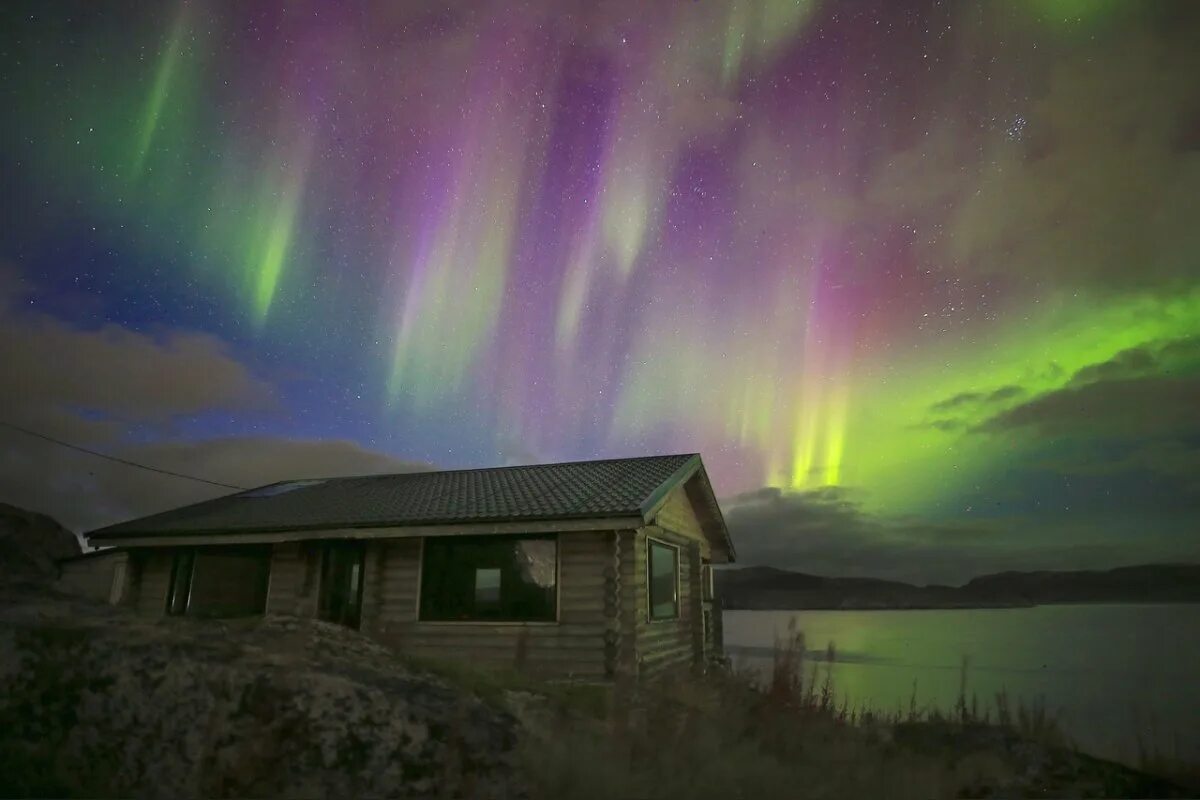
[{"x": 975, "y": 607}]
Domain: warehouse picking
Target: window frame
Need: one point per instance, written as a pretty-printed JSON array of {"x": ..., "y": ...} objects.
[
  {"x": 556, "y": 537},
  {"x": 324, "y": 568},
  {"x": 176, "y": 557},
  {"x": 650, "y": 542}
]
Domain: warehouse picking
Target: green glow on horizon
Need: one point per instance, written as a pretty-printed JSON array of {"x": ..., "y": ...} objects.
[
  {"x": 905, "y": 463},
  {"x": 867, "y": 424}
]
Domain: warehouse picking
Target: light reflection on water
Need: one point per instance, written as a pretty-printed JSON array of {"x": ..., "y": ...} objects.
[{"x": 1113, "y": 674}]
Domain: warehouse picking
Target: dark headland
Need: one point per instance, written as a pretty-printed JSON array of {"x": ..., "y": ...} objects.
[{"x": 767, "y": 588}]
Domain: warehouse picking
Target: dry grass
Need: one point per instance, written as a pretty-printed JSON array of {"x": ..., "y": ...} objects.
[{"x": 729, "y": 734}]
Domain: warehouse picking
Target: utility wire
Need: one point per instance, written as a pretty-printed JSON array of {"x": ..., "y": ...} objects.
[{"x": 114, "y": 458}]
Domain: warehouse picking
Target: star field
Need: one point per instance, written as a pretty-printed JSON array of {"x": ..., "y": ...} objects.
[{"x": 876, "y": 246}]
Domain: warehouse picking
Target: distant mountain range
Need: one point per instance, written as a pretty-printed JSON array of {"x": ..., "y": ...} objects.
[{"x": 763, "y": 588}]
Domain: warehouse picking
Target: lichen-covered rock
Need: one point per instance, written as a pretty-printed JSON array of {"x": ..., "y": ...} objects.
[{"x": 96, "y": 702}]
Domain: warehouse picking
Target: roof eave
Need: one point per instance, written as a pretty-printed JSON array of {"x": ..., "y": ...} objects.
[
  {"x": 651, "y": 505},
  {"x": 263, "y": 536},
  {"x": 690, "y": 468}
]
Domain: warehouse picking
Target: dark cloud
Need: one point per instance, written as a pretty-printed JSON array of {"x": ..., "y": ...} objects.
[
  {"x": 84, "y": 492},
  {"x": 827, "y": 532},
  {"x": 967, "y": 405},
  {"x": 1147, "y": 392},
  {"x": 1148, "y": 406},
  {"x": 974, "y": 399},
  {"x": 1134, "y": 362},
  {"x": 95, "y": 387},
  {"x": 1128, "y": 426},
  {"x": 74, "y": 382},
  {"x": 1179, "y": 355}
]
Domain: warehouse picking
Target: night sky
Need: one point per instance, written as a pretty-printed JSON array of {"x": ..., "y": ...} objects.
[{"x": 920, "y": 280}]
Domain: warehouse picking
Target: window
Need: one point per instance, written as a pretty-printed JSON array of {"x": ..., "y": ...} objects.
[
  {"x": 487, "y": 588},
  {"x": 490, "y": 579},
  {"x": 180, "y": 589},
  {"x": 706, "y": 580},
  {"x": 219, "y": 581},
  {"x": 116, "y": 590},
  {"x": 341, "y": 583},
  {"x": 664, "y": 580}
]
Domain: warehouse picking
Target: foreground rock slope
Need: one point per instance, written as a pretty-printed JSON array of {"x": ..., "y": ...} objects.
[{"x": 98, "y": 702}]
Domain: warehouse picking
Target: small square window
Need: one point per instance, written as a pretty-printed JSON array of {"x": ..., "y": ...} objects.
[{"x": 487, "y": 587}]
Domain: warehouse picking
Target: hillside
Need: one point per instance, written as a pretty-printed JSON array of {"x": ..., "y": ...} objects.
[{"x": 769, "y": 588}]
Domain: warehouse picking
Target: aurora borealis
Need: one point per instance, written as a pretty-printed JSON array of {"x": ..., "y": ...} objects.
[{"x": 936, "y": 263}]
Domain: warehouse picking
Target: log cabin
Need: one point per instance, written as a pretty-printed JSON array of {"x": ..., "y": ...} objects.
[{"x": 587, "y": 570}]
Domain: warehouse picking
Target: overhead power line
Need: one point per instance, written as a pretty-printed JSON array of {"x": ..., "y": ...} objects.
[{"x": 124, "y": 461}]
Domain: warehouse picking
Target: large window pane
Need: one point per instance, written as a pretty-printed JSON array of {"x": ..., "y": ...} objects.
[
  {"x": 229, "y": 582},
  {"x": 664, "y": 580},
  {"x": 489, "y": 578},
  {"x": 219, "y": 581}
]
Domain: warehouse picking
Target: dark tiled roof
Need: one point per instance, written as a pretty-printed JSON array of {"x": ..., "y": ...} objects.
[{"x": 610, "y": 488}]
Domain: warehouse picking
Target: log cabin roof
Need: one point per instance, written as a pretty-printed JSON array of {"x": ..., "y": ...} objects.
[{"x": 609, "y": 489}]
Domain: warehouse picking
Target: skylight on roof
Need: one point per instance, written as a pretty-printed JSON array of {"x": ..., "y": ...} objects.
[{"x": 280, "y": 488}]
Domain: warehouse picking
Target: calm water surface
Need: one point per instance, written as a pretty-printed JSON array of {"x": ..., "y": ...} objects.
[{"x": 1111, "y": 673}]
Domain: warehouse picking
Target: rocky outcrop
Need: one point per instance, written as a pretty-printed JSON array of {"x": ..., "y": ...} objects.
[
  {"x": 31, "y": 543},
  {"x": 100, "y": 703}
]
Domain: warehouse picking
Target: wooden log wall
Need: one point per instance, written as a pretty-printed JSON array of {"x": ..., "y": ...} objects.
[
  {"x": 151, "y": 580},
  {"x": 574, "y": 647},
  {"x": 94, "y": 576},
  {"x": 678, "y": 515},
  {"x": 390, "y": 586},
  {"x": 295, "y": 573},
  {"x": 665, "y": 645}
]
